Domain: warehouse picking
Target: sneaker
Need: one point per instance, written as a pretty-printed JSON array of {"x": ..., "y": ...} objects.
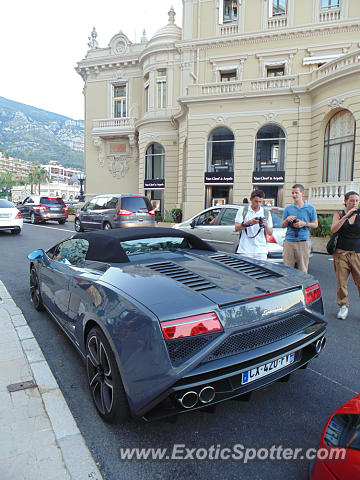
[{"x": 343, "y": 313}]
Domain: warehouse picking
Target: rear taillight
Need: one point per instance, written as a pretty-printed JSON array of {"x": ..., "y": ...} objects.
[
  {"x": 190, "y": 326},
  {"x": 19, "y": 215},
  {"x": 312, "y": 293},
  {"x": 65, "y": 208},
  {"x": 40, "y": 208},
  {"x": 151, "y": 212},
  {"x": 270, "y": 238},
  {"x": 124, "y": 212}
]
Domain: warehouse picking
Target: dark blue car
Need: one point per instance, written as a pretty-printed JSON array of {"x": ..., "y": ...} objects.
[{"x": 166, "y": 324}]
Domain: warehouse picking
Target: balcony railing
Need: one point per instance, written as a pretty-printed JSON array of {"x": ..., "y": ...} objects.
[
  {"x": 125, "y": 122},
  {"x": 259, "y": 84},
  {"x": 229, "y": 29},
  {"x": 331, "y": 15},
  {"x": 277, "y": 22},
  {"x": 342, "y": 63},
  {"x": 330, "y": 194}
]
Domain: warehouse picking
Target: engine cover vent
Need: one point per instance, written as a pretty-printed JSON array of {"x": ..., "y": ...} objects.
[
  {"x": 252, "y": 270},
  {"x": 182, "y": 275}
]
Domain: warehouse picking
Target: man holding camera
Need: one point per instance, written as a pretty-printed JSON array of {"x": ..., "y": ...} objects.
[
  {"x": 253, "y": 225},
  {"x": 299, "y": 218}
]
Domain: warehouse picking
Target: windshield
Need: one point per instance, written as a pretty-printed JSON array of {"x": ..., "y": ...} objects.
[
  {"x": 276, "y": 215},
  {"x": 51, "y": 201},
  {"x": 147, "y": 245},
  {"x": 344, "y": 431},
  {"x": 6, "y": 204}
]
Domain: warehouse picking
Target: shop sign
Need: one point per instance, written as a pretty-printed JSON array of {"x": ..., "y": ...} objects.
[
  {"x": 154, "y": 184},
  {"x": 265, "y": 177},
  {"x": 216, "y": 177}
]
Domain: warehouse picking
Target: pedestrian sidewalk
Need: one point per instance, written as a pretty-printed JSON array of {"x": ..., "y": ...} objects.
[{"x": 39, "y": 439}]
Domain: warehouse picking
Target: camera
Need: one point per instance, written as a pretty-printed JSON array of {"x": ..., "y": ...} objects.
[
  {"x": 291, "y": 225},
  {"x": 261, "y": 221}
]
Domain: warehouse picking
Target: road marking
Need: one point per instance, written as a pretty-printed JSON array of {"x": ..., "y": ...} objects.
[
  {"x": 52, "y": 228},
  {"x": 332, "y": 380}
]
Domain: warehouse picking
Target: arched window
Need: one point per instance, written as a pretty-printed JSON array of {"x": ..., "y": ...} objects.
[
  {"x": 339, "y": 144},
  {"x": 270, "y": 149},
  {"x": 220, "y": 150},
  {"x": 155, "y": 161}
]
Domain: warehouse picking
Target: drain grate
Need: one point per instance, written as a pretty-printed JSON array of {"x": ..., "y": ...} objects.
[{"x": 15, "y": 387}]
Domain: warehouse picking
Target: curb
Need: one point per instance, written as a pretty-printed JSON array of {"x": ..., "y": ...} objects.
[{"x": 75, "y": 453}]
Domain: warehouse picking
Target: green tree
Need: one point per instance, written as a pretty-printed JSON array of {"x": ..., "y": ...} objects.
[
  {"x": 37, "y": 176},
  {"x": 7, "y": 181}
]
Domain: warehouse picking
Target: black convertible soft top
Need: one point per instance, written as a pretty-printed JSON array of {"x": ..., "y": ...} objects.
[{"x": 104, "y": 245}]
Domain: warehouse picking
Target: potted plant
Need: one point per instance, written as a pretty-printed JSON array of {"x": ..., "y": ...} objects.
[{"x": 176, "y": 214}]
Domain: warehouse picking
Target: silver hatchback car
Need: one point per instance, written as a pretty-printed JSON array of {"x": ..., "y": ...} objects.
[
  {"x": 216, "y": 225},
  {"x": 115, "y": 211}
]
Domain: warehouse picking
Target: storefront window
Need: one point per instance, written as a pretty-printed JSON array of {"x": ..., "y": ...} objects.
[
  {"x": 155, "y": 160},
  {"x": 270, "y": 149},
  {"x": 220, "y": 150}
]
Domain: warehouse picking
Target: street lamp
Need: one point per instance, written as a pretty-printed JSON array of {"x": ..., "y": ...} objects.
[{"x": 81, "y": 176}]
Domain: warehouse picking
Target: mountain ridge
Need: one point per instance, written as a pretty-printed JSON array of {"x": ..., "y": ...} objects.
[{"x": 35, "y": 134}]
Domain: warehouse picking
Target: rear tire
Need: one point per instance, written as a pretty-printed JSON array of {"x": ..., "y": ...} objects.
[
  {"x": 35, "y": 291},
  {"x": 16, "y": 231},
  {"x": 104, "y": 379},
  {"x": 107, "y": 226},
  {"x": 61, "y": 222},
  {"x": 77, "y": 225},
  {"x": 33, "y": 219}
]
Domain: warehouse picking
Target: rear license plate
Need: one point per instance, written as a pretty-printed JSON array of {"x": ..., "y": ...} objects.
[
  {"x": 267, "y": 368},
  {"x": 4, "y": 215},
  {"x": 54, "y": 209}
]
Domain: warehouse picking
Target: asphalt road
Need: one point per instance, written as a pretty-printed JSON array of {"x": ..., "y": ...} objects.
[{"x": 289, "y": 414}]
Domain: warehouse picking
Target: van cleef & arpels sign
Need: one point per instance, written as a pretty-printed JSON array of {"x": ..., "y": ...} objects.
[{"x": 211, "y": 177}]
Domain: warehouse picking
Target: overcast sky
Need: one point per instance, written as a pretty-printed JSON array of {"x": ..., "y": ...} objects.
[{"x": 42, "y": 40}]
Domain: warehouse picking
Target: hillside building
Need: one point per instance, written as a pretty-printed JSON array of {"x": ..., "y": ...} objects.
[{"x": 248, "y": 93}]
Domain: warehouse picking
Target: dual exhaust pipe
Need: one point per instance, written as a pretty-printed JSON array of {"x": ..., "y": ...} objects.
[{"x": 191, "y": 398}]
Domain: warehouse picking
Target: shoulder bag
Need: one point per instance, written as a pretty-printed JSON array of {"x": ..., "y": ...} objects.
[{"x": 332, "y": 243}]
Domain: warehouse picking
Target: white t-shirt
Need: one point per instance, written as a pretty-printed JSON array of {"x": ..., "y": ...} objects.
[{"x": 257, "y": 244}]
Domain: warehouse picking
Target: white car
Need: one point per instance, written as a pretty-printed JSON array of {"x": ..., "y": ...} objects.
[
  {"x": 10, "y": 217},
  {"x": 216, "y": 225}
]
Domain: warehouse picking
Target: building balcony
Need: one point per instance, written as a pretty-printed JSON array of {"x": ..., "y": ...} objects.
[
  {"x": 231, "y": 29},
  {"x": 109, "y": 127},
  {"x": 331, "y": 15},
  {"x": 277, "y": 22},
  {"x": 342, "y": 63},
  {"x": 269, "y": 85},
  {"x": 330, "y": 195},
  {"x": 255, "y": 85}
]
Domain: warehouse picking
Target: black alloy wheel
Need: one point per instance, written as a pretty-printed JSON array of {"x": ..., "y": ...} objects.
[
  {"x": 62, "y": 221},
  {"x": 107, "y": 226},
  {"x": 35, "y": 291},
  {"x": 104, "y": 379},
  {"x": 33, "y": 219},
  {"x": 77, "y": 224}
]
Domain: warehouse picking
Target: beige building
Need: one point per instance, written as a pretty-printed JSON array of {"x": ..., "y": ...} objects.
[{"x": 248, "y": 93}]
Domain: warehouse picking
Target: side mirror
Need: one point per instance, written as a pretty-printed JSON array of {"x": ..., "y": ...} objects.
[
  {"x": 36, "y": 255},
  {"x": 192, "y": 224}
]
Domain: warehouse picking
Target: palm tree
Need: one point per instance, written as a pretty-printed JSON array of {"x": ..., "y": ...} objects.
[{"x": 37, "y": 175}]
